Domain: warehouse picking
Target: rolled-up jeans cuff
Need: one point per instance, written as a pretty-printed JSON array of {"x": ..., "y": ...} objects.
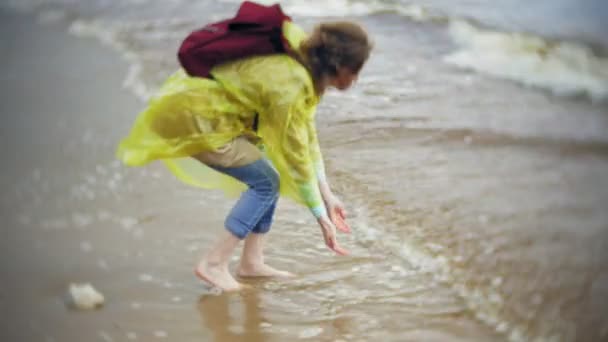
[{"x": 236, "y": 227}]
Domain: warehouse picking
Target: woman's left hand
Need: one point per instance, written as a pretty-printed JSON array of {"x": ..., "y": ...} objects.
[{"x": 336, "y": 212}]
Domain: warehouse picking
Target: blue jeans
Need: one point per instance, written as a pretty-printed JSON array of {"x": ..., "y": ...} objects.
[{"x": 253, "y": 212}]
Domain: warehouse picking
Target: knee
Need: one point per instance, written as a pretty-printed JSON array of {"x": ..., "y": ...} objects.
[
  {"x": 274, "y": 182},
  {"x": 269, "y": 186}
]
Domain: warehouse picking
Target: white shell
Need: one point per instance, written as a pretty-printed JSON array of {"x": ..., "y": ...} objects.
[{"x": 85, "y": 297}]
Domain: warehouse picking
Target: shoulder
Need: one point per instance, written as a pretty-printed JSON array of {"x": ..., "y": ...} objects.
[
  {"x": 278, "y": 68},
  {"x": 285, "y": 66},
  {"x": 282, "y": 73},
  {"x": 294, "y": 34}
]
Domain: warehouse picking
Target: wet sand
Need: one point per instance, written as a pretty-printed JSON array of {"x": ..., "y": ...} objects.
[
  {"x": 71, "y": 213},
  {"x": 68, "y": 215}
]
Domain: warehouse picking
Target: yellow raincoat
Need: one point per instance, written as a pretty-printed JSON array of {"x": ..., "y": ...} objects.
[{"x": 190, "y": 115}]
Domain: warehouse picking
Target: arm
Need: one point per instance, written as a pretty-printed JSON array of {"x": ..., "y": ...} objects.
[
  {"x": 290, "y": 105},
  {"x": 333, "y": 205},
  {"x": 295, "y": 151},
  {"x": 317, "y": 160},
  {"x": 301, "y": 167}
]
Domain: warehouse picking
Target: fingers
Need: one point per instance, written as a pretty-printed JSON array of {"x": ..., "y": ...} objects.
[
  {"x": 339, "y": 250},
  {"x": 342, "y": 226},
  {"x": 341, "y": 212},
  {"x": 329, "y": 235},
  {"x": 332, "y": 243},
  {"x": 328, "y": 240},
  {"x": 338, "y": 220}
]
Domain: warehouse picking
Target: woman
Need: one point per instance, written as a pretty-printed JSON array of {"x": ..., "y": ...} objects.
[{"x": 252, "y": 128}]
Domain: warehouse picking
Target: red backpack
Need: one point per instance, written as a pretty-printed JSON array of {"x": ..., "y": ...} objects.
[{"x": 255, "y": 30}]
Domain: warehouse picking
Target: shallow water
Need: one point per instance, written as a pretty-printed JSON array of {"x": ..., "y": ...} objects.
[{"x": 477, "y": 198}]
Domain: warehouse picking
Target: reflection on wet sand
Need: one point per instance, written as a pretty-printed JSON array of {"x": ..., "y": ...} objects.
[{"x": 233, "y": 316}]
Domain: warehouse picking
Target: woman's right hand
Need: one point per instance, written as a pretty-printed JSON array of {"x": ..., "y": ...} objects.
[{"x": 329, "y": 234}]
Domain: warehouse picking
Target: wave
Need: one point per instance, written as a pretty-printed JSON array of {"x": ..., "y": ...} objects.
[
  {"x": 307, "y": 8},
  {"x": 350, "y": 8},
  {"x": 564, "y": 68}
]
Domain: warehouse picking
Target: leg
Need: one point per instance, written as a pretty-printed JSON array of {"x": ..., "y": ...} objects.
[
  {"x": 265, "y": 222},
  {"x": 213, "y": 268},
  {"x": 252, "y": 261},
  {"x": 263, "y": 182}
]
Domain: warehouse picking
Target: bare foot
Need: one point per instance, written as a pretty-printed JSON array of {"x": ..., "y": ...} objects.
[
  {"x": 261, "y": 270},
  {"x": 217, "y": 276}
]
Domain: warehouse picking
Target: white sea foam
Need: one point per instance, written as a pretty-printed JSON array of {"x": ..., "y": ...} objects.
[
  {"x": 317, "y": 8},
  {"x": 145, "y": 278},
  {"x": 310, "y": 332},
  {"x": 561, "y": 67},
  {"x": 349, "y": 8},
  {"x": 86, "y": 246},
  {"x": 418, "y": 13},
  {"x": 160, "y": 334}
]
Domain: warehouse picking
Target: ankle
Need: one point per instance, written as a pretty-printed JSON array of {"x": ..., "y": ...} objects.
[
  {"x": 213, "y": 262},
  {"x": 251, "y": 264}
]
